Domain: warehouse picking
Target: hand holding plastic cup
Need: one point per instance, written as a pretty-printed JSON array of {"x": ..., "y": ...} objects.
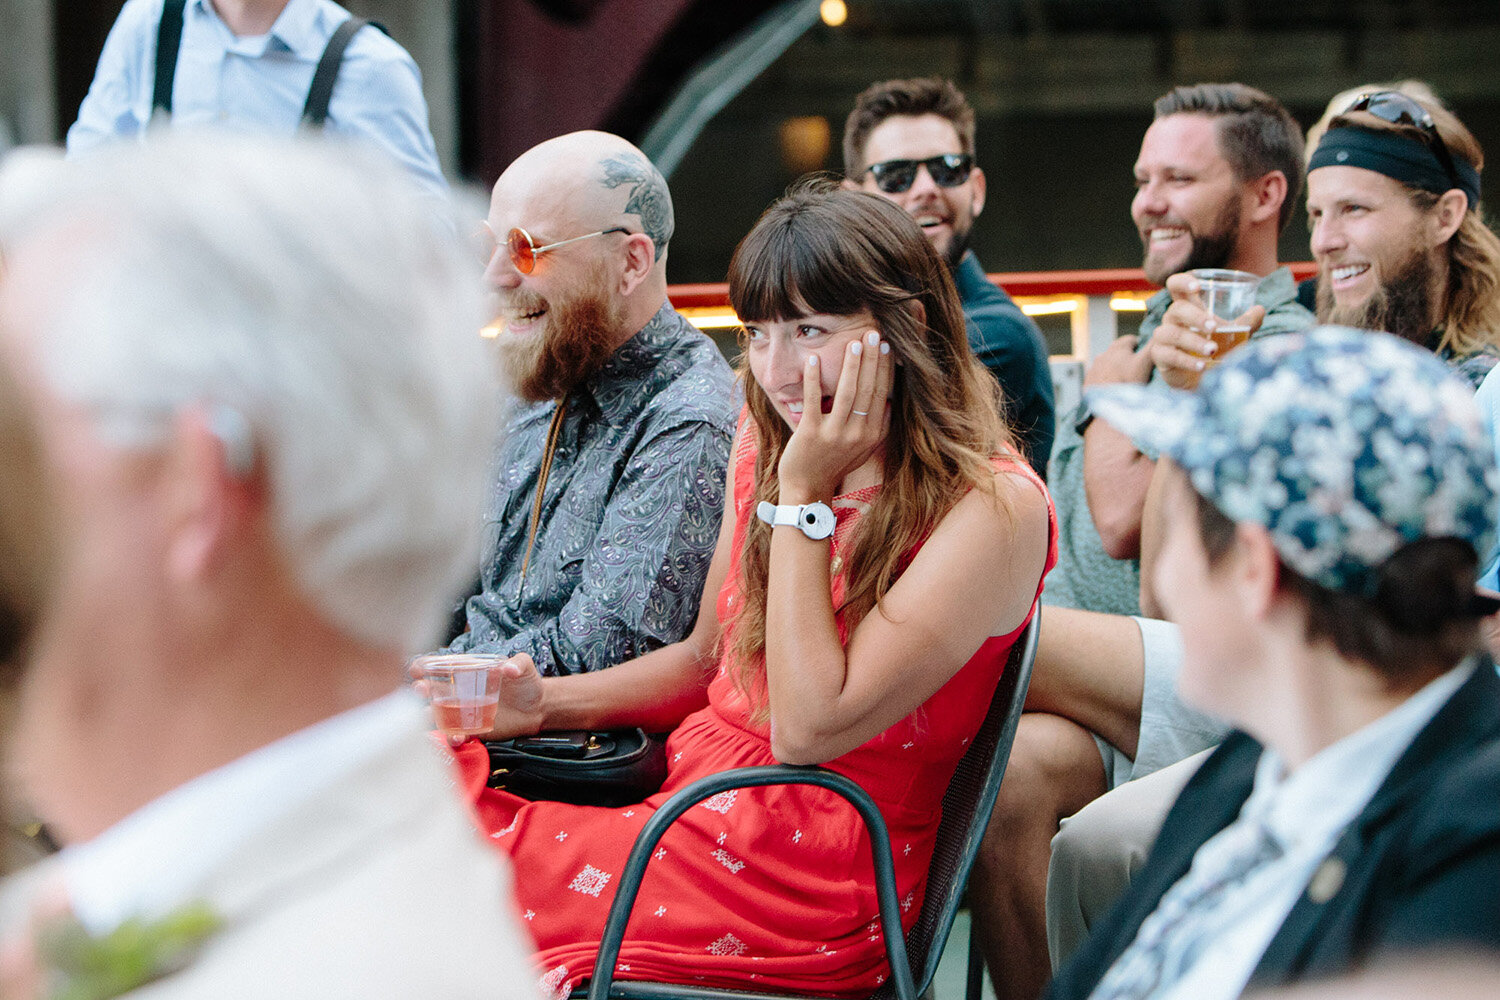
[
  {"x": 1228, "y": 295},
  {"x": 463, "y": 689}
]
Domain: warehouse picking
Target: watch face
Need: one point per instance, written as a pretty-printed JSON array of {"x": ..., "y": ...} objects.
[{"x": 817, "y": 520}]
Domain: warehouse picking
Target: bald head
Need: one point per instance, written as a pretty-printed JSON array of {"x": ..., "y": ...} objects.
[{"x": 594, "y": 180}]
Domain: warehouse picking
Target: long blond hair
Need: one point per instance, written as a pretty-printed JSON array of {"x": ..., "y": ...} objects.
[{"x": 836, "y": 252}]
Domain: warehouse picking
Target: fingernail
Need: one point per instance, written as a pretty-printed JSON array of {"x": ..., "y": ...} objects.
[
  {"x": 873, "y": 338},
  {"x": 885, "y": 348},
  {"x": 854, "y": 348},
  {"x": 1210, "y": 324},
  {"x": 812, "y": 361}
]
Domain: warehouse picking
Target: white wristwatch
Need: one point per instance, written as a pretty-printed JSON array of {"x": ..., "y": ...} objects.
[{"x": 815, "y": 520}]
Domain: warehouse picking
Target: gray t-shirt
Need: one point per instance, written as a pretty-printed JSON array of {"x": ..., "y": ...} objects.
[{"x": 1086, "y": 576}]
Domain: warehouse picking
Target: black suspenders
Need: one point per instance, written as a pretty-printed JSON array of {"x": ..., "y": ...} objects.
[{"x": 314, "y": 112}]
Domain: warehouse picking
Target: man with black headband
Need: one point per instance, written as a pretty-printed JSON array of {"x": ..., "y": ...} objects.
[{"x": 912, "y": 142}]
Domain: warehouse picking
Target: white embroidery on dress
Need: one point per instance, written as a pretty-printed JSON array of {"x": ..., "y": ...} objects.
[
  {"x": 501, "y": 833},
  {"x": 629, "y": 813},
  {"x": 722, "y": 802},
  {"x": 728, "y": 946},
  {"x": 661, "y": 911},
  {"x": 591, "y": 881},
  {"x": 661, "y": 852},
  {"x": 556, "y": 983},
  {"x": 797, "y": 837},
  {"x": 906, "y": 850},
  {"x": 910, "y": 898},
  {"x": 562, "y": 835},
  {"x": 722, "y": 837},
  {"x": 907, "y": 745},
  {"x": 728, "y": 860},
  {"x": 529, "y": 915}
]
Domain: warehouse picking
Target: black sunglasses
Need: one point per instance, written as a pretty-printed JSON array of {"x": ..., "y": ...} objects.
[
  {"x": 1396, "y": 108},
  {"x": 948, "y": 170}
]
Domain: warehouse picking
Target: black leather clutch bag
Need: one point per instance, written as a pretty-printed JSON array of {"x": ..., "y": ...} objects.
[{"x": 612, "y": 768}]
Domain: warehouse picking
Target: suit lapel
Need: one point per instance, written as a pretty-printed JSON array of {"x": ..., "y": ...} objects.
[{"x": 1470, "y": 717}]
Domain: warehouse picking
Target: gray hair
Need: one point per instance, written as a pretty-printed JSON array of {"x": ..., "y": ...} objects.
[{"x": 303, "y": 285}]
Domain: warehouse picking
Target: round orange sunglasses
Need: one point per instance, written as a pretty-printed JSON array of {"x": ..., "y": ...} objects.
[{"x": 523, "y": 250}]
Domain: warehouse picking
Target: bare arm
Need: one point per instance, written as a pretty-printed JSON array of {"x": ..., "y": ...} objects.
[
  {"x": 1115, "y": 474},
  {"x": 976, "y": 576},
  {"x": 1152, "y": 532}
]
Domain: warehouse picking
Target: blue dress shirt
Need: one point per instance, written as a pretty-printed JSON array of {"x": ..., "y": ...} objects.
[{"x": 259, "y": 84}]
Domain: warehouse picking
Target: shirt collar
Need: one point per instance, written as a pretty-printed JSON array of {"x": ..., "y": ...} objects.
[
  {"x": 1323, "y": 796},
  {"x": 615, "y": 387},
  {"x": 155, "y": 859},
  {"x": 298, "y": 29}
]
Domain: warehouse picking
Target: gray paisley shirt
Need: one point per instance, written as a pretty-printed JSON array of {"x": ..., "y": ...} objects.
[{"x": 630, "y": 514}]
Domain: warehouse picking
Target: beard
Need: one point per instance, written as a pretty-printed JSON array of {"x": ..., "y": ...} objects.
[
  {"x": 1402, "y": 305},
  {"x": 958, "y": 246},
  {"x": 1208, "y": 249},
  {"x": 580, "y": 336}
]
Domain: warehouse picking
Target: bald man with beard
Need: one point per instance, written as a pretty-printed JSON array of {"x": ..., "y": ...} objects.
[{"x": 610, "y": 473}]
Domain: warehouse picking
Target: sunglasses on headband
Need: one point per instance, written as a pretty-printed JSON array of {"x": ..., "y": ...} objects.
[
  {"x": 523, "y": 250},
  {"x": 1396, "y": 108},
  {"x": 948, "y": 170}
]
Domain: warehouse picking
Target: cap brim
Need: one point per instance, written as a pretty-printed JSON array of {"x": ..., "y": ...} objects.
[{"x": 1157, "y": 418}]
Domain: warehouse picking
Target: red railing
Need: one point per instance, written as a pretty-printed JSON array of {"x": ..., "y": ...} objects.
[{"x": 1019, "y": 283}]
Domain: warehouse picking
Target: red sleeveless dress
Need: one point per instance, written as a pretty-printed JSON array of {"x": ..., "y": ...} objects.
[{"x": 764, "y": 888}]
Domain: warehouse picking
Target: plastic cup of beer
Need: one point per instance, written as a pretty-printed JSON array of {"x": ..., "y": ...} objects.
[
  {"x": 463, "y": 689},
  {"x": 1228, "y": 295}
]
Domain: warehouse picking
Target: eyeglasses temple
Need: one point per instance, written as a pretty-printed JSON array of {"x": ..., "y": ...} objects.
[{"x": 575, "y": 239}]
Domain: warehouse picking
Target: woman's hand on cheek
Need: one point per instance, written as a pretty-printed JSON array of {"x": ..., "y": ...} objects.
[{"x": 826, "y": 447}]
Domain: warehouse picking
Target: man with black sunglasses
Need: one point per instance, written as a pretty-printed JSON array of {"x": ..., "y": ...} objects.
[
  {"x": 912, "y": 141},
  {"x": 610, "y": 471}
]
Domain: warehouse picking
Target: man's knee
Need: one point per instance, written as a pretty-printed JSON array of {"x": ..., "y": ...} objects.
[{"x": 1054, "y": 768}]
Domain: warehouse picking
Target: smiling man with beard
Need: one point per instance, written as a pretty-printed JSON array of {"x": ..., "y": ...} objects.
[
  {"x": 1216, "y": 180},
  {"x": 912, "y": 143},
  {"x": 1396, "y": 229},
  {"x": 610, "y": 474}
]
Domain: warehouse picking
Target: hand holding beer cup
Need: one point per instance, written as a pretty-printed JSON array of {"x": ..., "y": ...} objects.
[{"x": 1210, "y": 315}]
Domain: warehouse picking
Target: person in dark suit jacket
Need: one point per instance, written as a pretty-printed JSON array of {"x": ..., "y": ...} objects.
[{"x": 1331, "y": 494}]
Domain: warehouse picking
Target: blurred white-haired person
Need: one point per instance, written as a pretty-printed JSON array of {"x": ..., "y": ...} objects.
[
  {"x": 1330, "y": 494},
  {"x": 260, "y": 389}
]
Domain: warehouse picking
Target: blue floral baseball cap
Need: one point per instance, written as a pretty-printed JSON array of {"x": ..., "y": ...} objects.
[{"x": 1345, "y": 444}]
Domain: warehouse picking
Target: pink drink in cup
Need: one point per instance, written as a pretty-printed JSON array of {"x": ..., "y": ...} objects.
[{"x": 464, "y": 689}]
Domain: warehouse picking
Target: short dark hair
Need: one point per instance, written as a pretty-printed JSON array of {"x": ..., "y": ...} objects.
[
  {"x": 1256, "y": 132},
  {"x": 1421, "y": 618},
  {"x": 931, "y": 95}
]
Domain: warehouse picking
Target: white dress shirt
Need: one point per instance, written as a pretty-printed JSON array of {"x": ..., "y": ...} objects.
[
  {"x": 260, "y": 83},
  {"x": 1304, "y": 813},
  {"x": 148, "y": 864}
]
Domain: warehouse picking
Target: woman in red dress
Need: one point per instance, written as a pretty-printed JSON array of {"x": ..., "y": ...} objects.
[{"x": 873, "y": 650}]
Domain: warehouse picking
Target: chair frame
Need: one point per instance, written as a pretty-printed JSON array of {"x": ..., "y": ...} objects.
[{"x": 960, "y": 834}]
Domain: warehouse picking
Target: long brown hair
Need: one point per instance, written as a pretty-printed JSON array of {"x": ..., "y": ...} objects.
[
  {"x": 836, "y": 252},
  {"x": 1472, "y": 319}
]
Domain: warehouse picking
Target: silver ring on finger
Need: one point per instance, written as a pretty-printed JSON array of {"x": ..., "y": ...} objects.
[{"x": 860, "y": 413}]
